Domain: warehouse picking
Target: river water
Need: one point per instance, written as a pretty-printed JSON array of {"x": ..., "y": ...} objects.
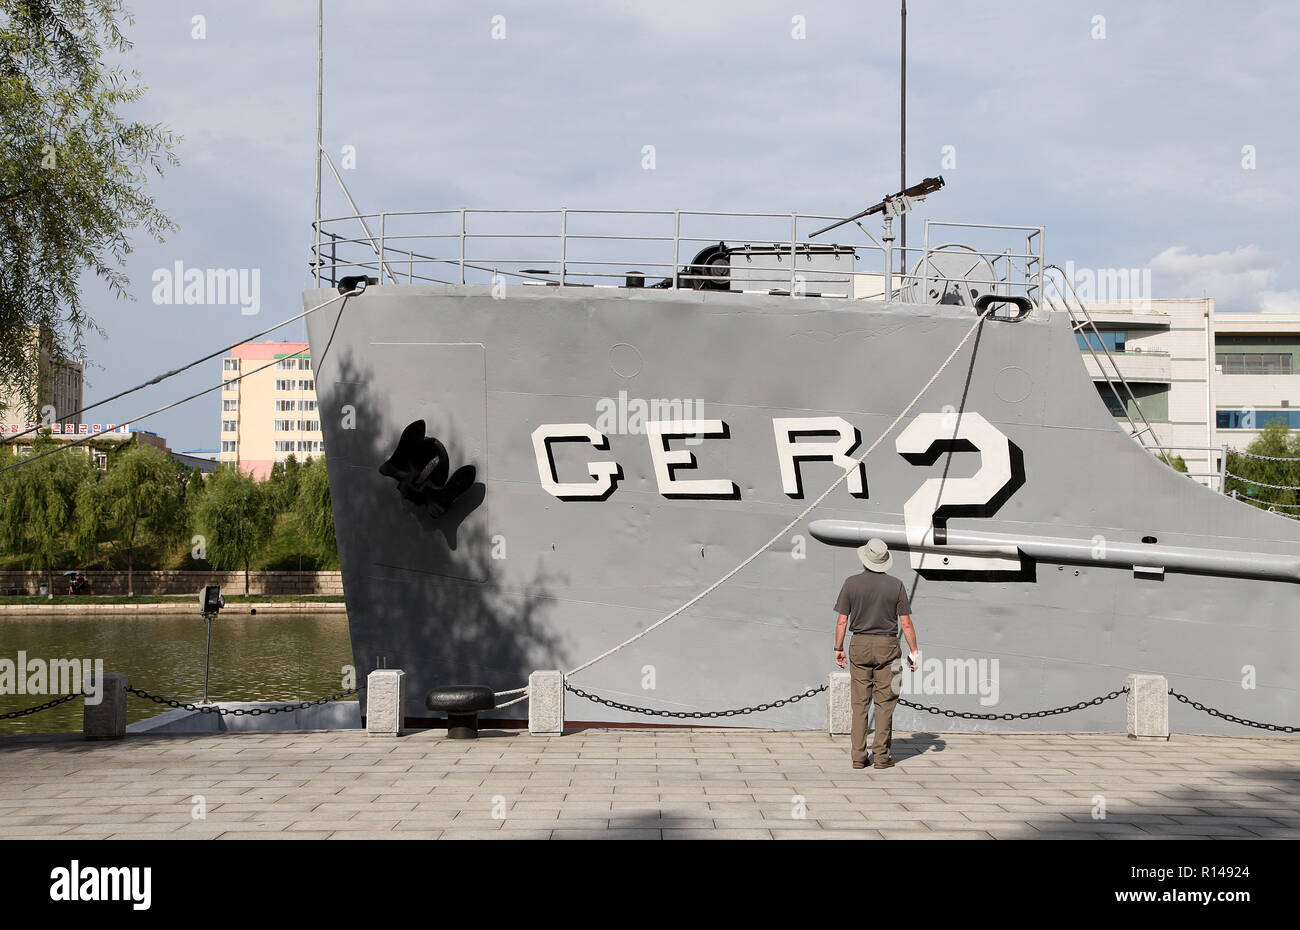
[{"x": 272, "y": 656}]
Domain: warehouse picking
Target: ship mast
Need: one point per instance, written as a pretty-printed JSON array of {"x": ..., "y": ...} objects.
[
  {"x": 902, "y": 138},
  {"x": 320, "y": 120}
]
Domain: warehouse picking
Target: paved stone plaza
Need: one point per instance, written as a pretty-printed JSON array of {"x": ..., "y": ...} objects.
[{"x": 652, "y": 784}]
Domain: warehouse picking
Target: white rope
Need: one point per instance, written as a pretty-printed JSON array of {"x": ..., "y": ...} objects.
[
  {"x": 789, "y": 526},
  {"x": 28, "y": 459},
  {"x": 522, "y": 697}
]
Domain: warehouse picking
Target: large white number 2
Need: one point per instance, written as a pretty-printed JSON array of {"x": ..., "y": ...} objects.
[{"x": 926, "y": 513}]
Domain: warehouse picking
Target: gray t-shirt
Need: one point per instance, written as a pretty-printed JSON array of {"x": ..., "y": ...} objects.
[{"x": 873, "y": 601}]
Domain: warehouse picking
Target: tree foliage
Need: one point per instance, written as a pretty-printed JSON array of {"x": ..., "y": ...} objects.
[
  {"x": 140, "y": 499},
  {"x": 37, "y": 504},
  {"x": 1248, "y": 477},
  {"x": 236, "y": 518},
  {"x": 315, "y": 512},
  {"x": 72, "y": 176}
]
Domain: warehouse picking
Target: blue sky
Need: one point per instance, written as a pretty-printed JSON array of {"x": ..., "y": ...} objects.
[{"x": 1128, "y": 148}]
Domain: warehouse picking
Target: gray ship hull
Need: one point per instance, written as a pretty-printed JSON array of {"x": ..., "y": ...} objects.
[{"x": 1010, "y": 445}]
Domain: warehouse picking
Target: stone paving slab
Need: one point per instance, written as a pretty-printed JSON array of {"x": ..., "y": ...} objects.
[{"x": 647, "y": 784}]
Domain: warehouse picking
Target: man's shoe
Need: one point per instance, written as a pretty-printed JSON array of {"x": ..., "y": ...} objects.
[
  {"x": 859, "y": 765},
  {"x": 887, "y": 764}
]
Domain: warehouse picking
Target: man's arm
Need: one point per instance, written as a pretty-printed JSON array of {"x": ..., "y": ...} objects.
[
  {"x": 840, "y": 626},
  {"x": 910, "y": 632}
]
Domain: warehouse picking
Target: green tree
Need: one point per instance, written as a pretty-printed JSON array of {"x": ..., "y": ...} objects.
[
  {"x": 36, "y": 504},
  {"x": 236, "y": 518},
  {"x": 1250, "y": 477},
  {"x": 140, "y": 500},
  {"x": 72, "y": 176},
  {"x": 283, "y": 482},
  {"x": 315, "y": 513}
]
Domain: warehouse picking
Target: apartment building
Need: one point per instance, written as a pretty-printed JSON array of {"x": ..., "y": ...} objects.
[
  {"x": 268, "y": 406},
  {"x": 1206, "y": 380}
]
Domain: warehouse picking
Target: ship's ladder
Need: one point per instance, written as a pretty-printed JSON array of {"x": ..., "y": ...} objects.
[{"x": 1060, "y": 296}]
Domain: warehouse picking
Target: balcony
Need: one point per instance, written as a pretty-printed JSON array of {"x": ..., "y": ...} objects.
[{"x": 1151, "y": 365}]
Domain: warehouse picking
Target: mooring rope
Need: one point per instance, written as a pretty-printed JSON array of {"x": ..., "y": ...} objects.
[
  {"x": 158, "y": 379},
  {"x": 28, "y": 459}
]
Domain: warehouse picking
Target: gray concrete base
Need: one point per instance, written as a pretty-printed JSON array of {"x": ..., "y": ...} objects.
[
  {"x": 107, "y": 718},
  {"x": 1147, "y": 706},
  {"x": 839, "y": 704},
  {"x": 336, "y": 715},
  {"x": 546, "y": 703}
]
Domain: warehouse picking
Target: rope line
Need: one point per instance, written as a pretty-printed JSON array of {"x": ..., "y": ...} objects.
[
  {"x": 158, "y": 379},
  {"x": 803, "y": 513},
  {"x": 27, "y": 460}
]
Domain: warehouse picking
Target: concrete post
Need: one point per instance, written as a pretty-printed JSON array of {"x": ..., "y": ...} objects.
[
  {"x": 839, "y": 705},
  {"x": 1147, "y": 705},
  {"x": 385, "y": 702},
  {"x": 546, "y": 703},
  {"x": 107, "y": 719}
]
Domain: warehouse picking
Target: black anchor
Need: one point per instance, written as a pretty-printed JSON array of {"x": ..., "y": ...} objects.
[{"x": 420, "y": 467}]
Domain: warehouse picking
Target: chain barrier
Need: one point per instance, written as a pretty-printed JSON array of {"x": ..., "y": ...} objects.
[
  {"x": 1231, "y": 718},
  {"x": 239, "y": 711},
  {"x": 693, "y": 714},
  {"x": 1026, "y": 715},
  {"x": 1275, "y": 487},
  {"x": 1267, "y": 458},
  {"x": 28, "y": 711}
]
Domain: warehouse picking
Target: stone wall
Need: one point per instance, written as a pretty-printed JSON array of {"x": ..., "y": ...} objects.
[{"x": 264, "y": 583}]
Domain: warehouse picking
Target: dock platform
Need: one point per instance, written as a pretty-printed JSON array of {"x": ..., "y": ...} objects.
[{"x": 646, "y": 784}]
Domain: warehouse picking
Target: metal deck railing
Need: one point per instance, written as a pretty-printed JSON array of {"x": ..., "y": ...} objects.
[{"x": 677, "y": 249}]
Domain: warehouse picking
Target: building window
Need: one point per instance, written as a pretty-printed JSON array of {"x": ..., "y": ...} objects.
[
  {"x": 310, "y": 445},
  {"x": 1115, "y": 342},
  {"x": 230, "y": 426},
  {"x": 229, "y": 445},
  {"x": 309, "y": 426},
  {"x": 284, "y": 384},
  {"x": 1254, "y": 363},
  {"x": 1257, "y": 419},
  {"x": 230, "y": 364},
  {"x": 306, "y": 384},
  {"x": 284, "y": 426},
  {"x": 287, "y": 364},
  {"x": 304, "y": 364},
  {"x": 1112, "y": 402},
  {"x": 284, "y": 445},
  {"x": 229, "y": 406},
  {"x": 284, "y": 406},
  {"x": 307, "y": 405}
]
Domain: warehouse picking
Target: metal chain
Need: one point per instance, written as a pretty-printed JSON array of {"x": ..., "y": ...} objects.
[
  {"x": 1197, "y": 705},
  {"x": 693, "y": 714},
  {"x": 1275, "y": 487},
  {"x": 40, "y": 707},
  {"x": 1267, "y": 458},
  {"x": 1026, "y": 715},
  {"x": 239, "y": 711}
]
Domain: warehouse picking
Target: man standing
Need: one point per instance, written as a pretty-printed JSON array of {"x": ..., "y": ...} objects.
[{"x": 872, "y": 604}]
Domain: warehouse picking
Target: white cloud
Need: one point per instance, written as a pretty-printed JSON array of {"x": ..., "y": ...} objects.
[{"x": 1239, "y": 281}]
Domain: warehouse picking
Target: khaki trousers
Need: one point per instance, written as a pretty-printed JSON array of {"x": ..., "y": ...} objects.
[{"x": 873, "y": 661}]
